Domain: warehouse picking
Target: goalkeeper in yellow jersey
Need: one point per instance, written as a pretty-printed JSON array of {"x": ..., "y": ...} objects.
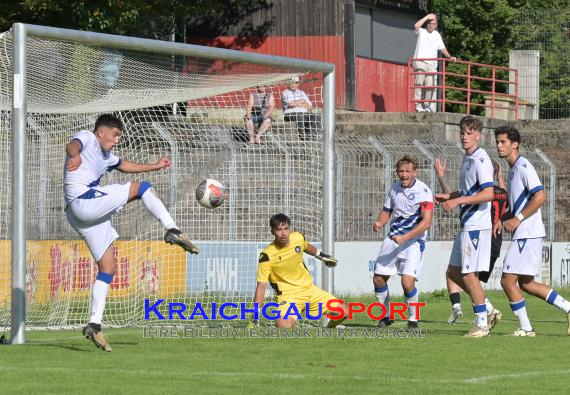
[{"x": 281, "y": 264}]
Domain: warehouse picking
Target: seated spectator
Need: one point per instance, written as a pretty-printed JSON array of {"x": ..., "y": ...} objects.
[
  {"x": 259, "y": 109},
  {"x": 296, "y": 107}
]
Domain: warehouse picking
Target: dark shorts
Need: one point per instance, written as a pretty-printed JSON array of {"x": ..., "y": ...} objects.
[
  {"x": 484, "y": 276},
  {"x": 257, "y": 119}
]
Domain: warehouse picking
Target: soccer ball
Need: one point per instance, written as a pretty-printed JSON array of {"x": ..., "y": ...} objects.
[{"x": 210, "y": 193}]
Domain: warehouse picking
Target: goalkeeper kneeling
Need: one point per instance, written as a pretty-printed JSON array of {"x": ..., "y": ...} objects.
[{"x": 281, "y": 264}]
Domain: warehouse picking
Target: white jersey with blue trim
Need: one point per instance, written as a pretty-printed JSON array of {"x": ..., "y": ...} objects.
[
  {"x": 94, "y": 163},
  {"x": 476, "y": 175},
  {"x": 405, "y": 206},
  {"x": 523, "y": 183}
]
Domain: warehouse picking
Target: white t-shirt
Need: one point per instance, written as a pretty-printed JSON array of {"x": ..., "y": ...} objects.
[
  {"x": 405, "y": 204},
  {"x": 476, "y": 174},
  {"x": 427, "y": 45},
  {"x": 94, "y": 163},
  {"x": 288, "y": 96},
  {"x": 523, "y": 183}
]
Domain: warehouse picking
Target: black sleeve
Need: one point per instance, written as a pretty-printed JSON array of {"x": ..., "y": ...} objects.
[{"x": 263, "y": 257}]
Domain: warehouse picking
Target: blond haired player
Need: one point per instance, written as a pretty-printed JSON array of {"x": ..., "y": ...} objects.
[{"x": 281, "y": 264}]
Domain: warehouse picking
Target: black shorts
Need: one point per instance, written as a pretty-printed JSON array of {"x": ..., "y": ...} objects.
[{"x": 484, "y": 276}]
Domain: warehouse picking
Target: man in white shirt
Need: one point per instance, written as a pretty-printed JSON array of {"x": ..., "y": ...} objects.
[
  {"x": 524, "y": 257},
  {"x": 89, "y": 206},
  {"x": 429, "y": 42},
  {"x": 296, "y": 108}
]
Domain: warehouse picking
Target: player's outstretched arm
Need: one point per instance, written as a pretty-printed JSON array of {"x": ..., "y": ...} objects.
[
  {"x": 328, "y": 260},
  {"x": 133, "y": 167},
  {"x": 258, "y": 298}
]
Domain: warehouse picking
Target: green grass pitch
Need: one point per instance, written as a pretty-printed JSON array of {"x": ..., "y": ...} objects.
[{"x": 442, "y": 362}]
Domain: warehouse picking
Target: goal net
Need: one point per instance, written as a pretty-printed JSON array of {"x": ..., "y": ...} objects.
[{"x": 68, "y": 85}]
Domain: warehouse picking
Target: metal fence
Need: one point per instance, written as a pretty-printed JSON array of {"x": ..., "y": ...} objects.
[
  {"x": 365, "y": 169},
  {"x": 544, "y": 34}
]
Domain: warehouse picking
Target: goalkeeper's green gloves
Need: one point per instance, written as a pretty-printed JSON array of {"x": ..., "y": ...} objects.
[
  {"x": 326, "y": 259},
  {"x": 253, "y": 324}
]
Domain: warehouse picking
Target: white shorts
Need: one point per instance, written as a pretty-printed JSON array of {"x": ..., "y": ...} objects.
[
  {"x": 472, "y": 251},
  {"x": 524, "y": 257},
  {"x": 91, "y": 217},
  {"x": 400, "y": 259}
]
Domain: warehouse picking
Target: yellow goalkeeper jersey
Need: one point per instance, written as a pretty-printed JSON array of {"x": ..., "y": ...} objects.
[{"x": 283, "y": 267}]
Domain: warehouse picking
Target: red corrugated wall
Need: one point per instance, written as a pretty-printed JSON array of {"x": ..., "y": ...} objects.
[
  {"x": 319, "y": 48},
  {"x": 381, "y": 86}
]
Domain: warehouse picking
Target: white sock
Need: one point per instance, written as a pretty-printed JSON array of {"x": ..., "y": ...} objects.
[
  {"x": 156, "y": 208},
  {"x": 456, "y": 306},
  {"x": 412, "y": 297},
  {"x": 558, "y": 301},
  {"x": 383, "y": 296},
  {"x": 480, "y": 311},
  {"x": 489, "y": 306},
  {"x": 519, "y": 309},
  {"x": 99, "y": 296}
]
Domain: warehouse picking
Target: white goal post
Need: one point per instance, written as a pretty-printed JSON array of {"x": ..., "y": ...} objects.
[{"x": 54, "y": 82}]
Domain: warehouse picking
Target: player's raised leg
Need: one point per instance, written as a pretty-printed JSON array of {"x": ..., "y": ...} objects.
[{"x": 145, "y": 192}]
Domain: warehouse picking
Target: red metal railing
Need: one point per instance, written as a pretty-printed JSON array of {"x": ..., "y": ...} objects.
[{"x": 497, "y": 98}]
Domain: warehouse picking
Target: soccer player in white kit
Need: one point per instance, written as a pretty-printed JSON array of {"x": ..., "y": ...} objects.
[
  {"x": 524, "y": 256},
  {"x": 409, "y": 205},
  {"x": 90, "y": 206},
  {"x": 471, "y": 251}
]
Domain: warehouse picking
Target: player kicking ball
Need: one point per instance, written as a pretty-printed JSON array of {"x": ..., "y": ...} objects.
[
  {"x": 524, "y": 256},
  {"x": 410, "y": 206},
  {"x": 90, "y": 206},
  {"x": 281, "y": 264}
]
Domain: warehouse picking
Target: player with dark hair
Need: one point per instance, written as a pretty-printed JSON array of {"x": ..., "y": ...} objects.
[
  {"x": 281, "y": 264},
  {"x": 90, "y": 206},
  {"x": 524, "y": 256}
]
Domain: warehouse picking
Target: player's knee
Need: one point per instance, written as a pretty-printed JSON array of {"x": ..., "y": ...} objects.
[
  {"x": 143, "y": 187},
  {"x": 285, "y": 324},
  {"x": 506, "y": 283},
  {"x": 105, "y": 277}
]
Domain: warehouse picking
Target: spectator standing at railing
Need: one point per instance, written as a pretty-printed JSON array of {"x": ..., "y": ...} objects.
[{"x": 429, "y": 42}]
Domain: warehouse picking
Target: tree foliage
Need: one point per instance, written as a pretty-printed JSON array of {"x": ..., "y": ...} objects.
[
  {"x": 484, "y": 31},
  {"x": 156, "y": 19}
]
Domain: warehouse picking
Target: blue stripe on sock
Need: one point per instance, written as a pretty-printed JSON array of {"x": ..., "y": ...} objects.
[
  {"x": 105, "y": 277},
  {"x": 518, "y": 305},
  {"x": 143, "y": 187},
  {"x": 552, "y": 296},
  {"x": 412, "y": 293},
  {"x": 379, "y": 290},
  {"x": 479, "y": 308}
]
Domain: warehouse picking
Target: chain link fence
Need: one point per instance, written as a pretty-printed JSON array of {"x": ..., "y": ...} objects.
[{"x": 365, "y": 169}]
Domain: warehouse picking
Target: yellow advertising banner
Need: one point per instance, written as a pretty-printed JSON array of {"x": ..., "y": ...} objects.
[{"x": 65, "y": 268}]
